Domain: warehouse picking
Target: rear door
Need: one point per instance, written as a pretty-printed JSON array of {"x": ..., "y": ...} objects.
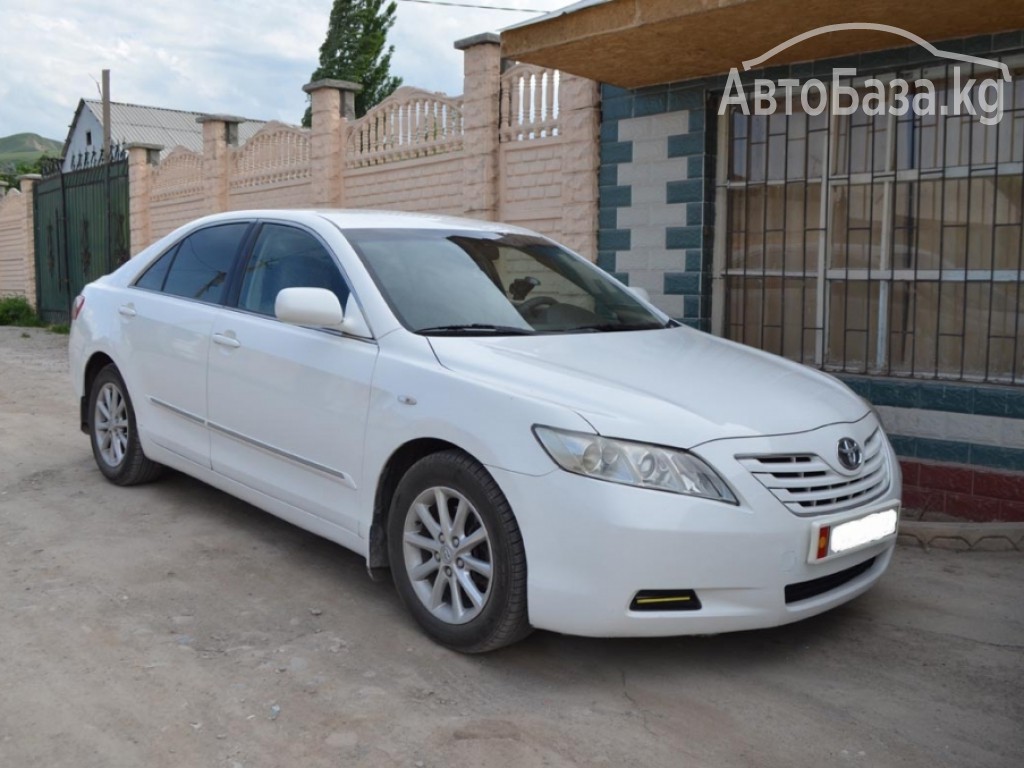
[
  {"x": 288, "y": 405},
  {"x": 166, "y": 323}
]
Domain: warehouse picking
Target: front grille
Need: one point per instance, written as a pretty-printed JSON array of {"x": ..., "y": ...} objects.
[
  {"x": 805, "y": 590},
  {"x": 807, "y": 485}
]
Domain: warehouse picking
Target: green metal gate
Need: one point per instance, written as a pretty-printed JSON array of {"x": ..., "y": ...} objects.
[{"x": 81, "y": 233}]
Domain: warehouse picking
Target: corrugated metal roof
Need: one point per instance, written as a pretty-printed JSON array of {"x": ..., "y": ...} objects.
[
  {"x": 556, "y": 13},
  {"x": 167, "y": 127}
]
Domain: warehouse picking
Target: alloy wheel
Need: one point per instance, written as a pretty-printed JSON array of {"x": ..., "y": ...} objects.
[
  {"x": 448, "y": 555},
  {"x": 110, "y": 424}
]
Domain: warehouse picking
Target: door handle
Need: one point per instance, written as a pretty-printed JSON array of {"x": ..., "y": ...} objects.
[
  {"x": 128, "y": 310},
  {"x": 226, "y": 341}
]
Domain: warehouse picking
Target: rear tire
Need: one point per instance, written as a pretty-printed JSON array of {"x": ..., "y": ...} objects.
[
  {"x": 114, "y": 434},
  {"x": 457, "y": 556}
]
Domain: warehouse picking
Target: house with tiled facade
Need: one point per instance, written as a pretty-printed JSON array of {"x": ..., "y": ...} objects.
[{"x": 884, "y": 249}]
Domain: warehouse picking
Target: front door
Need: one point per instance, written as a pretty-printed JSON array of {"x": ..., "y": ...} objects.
[{"x": 288, "y": 405}]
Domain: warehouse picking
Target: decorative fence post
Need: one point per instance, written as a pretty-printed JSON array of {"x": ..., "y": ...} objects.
[
  {"x": 141, "y": 158},
  {"x": 580, "y": 122},
  {"x": 481, "y": 86},
  {"x": 333, "y": 108},
  {"x": 25, "y": 184},
  {"x": 219, "y": 132}
]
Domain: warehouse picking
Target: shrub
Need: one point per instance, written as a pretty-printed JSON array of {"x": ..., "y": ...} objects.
[{"x": 15, "y": 310}]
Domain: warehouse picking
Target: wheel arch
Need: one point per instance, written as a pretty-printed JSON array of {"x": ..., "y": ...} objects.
[
  {"x": 394, "y": 470},
  {"x": 97, "y": 362}
]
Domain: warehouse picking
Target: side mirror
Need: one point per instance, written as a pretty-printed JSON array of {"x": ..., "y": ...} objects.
[
  {"x": 642, "y": 294},
  {"x": 309, "y": 306}
]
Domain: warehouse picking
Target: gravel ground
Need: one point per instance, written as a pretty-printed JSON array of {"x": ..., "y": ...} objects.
[{"x": 171, "y": 625}]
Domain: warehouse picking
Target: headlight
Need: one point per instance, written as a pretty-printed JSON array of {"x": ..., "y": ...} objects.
[{"x": 621, "y": 461}]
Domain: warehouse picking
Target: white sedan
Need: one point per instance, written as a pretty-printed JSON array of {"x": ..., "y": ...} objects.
[{"x": 520, "y": 439}]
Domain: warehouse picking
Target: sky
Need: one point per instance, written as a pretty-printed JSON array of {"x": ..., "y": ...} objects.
[{"x": 241, "y": 57}]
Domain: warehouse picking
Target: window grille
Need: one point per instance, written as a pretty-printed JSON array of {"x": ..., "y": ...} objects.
[{"x": 877, "y": 244}]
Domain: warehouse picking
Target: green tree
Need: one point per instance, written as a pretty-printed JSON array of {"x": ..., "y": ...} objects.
[
  {"x": 11, "y": 174},
  {"x": 356, "y": 50}
]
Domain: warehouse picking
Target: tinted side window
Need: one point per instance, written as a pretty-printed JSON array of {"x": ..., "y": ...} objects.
[
  {"x": 286, "y": 257},
  {"x": 203, "y": 262},
  {"x": 153, "y": 278}
]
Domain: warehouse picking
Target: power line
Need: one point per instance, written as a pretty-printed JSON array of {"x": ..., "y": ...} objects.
[{"x": 470, "y": 5}]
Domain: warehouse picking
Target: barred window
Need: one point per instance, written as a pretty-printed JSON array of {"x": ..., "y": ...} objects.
[{"x": 877, "y": 244}]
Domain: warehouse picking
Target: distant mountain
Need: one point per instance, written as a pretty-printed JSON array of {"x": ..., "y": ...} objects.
[{"x": 26, "y": 147}]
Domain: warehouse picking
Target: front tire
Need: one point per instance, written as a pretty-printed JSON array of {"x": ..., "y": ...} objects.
[
  {"x": 114, "y": 434},
  {"x": 457, "y": 556}
]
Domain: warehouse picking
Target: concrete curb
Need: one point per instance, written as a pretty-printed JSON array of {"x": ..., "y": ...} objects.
[{"x": 963, "y": 537}]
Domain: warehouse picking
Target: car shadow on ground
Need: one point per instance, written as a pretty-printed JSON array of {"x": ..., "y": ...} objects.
[{"x": 309, "y": 553}]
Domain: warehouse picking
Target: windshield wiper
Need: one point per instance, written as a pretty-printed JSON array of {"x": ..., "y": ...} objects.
[
  {"x": 612, "y": 327},
  {"x": 475, "y": 328}
]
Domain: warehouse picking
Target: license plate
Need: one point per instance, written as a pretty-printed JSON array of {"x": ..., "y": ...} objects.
[{"x": 839, "y": 538}]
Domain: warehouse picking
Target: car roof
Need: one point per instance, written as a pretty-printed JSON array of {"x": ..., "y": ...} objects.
[{"x": 360, "y": 218}]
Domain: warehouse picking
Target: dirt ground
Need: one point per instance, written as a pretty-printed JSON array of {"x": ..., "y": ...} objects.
[{"x": 171, "y": 625}]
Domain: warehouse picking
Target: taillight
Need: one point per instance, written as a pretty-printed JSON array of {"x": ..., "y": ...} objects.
[{"x": 76, "y": 308}]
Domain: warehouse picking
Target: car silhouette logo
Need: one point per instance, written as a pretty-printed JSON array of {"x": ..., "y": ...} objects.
[{"x": 1002, "y": 67}]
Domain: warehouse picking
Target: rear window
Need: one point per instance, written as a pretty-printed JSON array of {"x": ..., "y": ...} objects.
[
  {"x": 153, "y": 278},
  {"x": 199, "y": 266}
]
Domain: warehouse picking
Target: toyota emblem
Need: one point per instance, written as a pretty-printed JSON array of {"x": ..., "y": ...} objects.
[{"x": 850, "y": 454}]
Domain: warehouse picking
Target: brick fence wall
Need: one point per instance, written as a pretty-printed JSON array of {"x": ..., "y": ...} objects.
[
  {"x": 520, "y": 144},
  {"x": 17, "y": 273}
]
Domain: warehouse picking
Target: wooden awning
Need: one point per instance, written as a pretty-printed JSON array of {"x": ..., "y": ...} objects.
[{"x": 634, "y": 43}]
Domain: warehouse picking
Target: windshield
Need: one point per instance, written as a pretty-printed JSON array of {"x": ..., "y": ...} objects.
[{"x": 445, "y": 282}]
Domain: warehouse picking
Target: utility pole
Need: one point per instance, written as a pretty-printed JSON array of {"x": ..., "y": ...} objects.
[
  {"x": 106, "y": 115},
  {"x": 106, "y": 169}
]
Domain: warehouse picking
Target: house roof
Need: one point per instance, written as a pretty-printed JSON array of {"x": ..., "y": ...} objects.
[
  {"x": 169, "y": 128},
  {"x": 579, "y": 6},
  {"x": 635, "y": 43}
]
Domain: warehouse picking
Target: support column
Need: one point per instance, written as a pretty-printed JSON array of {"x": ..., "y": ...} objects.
[
  {"x": 141, "y": 159},
  {"x": 25, "y": 184},
  {"x": 481, "y": 86},
  {"x": 219, "y": 133},
  {"x": 333, "y": 108},
  {"x": 580, "y": 126}
]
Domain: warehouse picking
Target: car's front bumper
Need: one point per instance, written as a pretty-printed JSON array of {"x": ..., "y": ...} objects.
[{"x": 591, "y": 546}]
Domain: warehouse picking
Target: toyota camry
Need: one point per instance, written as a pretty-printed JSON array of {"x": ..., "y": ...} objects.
[{"x": 519, "y": 439}]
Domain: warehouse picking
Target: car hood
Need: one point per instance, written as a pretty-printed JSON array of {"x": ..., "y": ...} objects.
[{"x": 675, "y": 387}]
